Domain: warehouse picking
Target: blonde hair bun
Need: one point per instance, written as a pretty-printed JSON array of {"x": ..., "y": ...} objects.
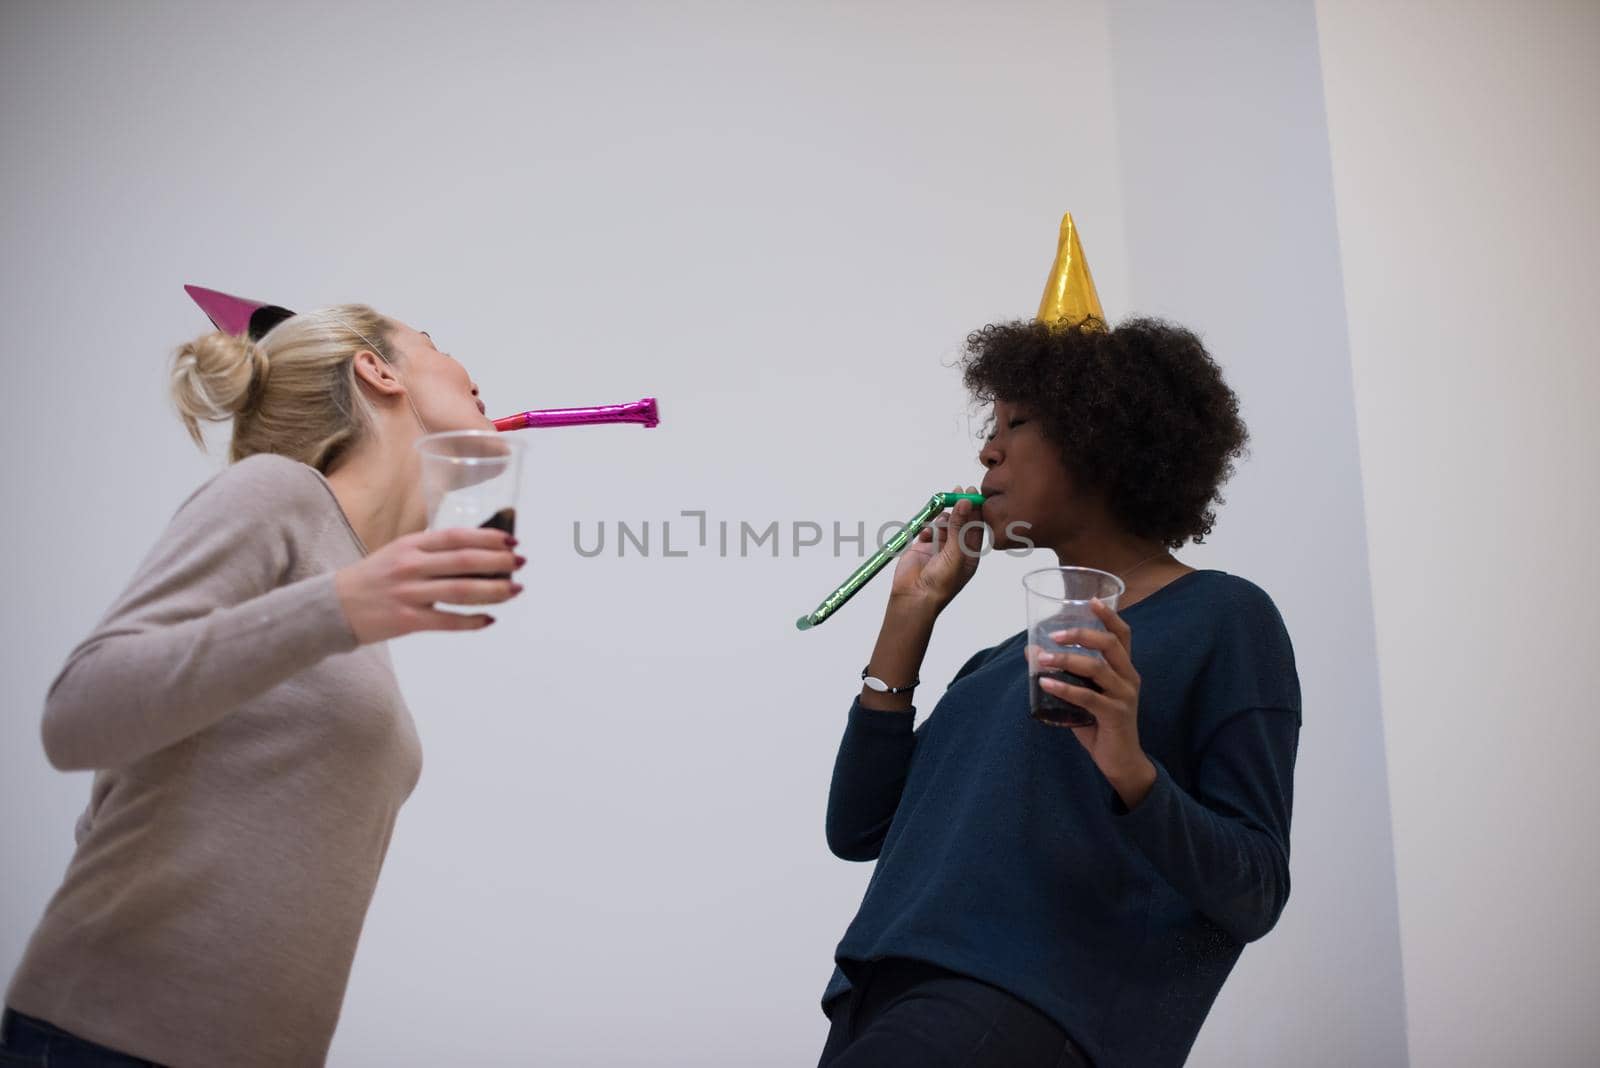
[
  {"x": 312, "y": 410},
  {"x": 216, "y": 377}
]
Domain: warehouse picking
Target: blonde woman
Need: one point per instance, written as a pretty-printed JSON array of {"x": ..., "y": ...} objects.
[{"x": 239, "y": 710}]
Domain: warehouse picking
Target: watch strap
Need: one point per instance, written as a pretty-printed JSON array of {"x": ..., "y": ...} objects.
[{"x": 872, "y": 682}]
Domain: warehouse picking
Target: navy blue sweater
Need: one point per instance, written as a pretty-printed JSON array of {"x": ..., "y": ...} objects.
[{"x": 1005, "y": 855}]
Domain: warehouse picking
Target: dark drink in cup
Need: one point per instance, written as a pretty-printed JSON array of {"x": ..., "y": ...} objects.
[
  {"x": 505, "y": 521},
  {"x": 1046, "y": 707},
  {"x": 1061, "y": 599}
]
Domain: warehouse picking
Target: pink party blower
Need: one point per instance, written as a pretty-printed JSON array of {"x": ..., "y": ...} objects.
[
  {"x": 241, "y": 315},
  {"x": 640, "y": 411}
]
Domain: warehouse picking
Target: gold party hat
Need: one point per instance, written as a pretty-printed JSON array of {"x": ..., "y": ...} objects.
[{"x": 1069, "y": 295}]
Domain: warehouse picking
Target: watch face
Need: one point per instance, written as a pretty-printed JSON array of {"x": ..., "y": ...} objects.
[{"x": 875, "y": 684}]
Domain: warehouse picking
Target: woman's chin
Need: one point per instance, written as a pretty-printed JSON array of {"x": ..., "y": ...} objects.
[
  {"x": 472, "y": 421},
  {"x": 1010, "y": 535},
  {"x": 998, "y": 541}
]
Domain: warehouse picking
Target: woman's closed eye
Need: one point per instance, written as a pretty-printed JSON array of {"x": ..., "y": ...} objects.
[{"x": 1011, "y": 424}]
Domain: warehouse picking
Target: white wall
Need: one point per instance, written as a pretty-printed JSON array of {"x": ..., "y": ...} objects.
[
  {"x": 1228, "y": 195},
  {"x": 779, "y": 219},
  {"x": 1466, "y": 156}
]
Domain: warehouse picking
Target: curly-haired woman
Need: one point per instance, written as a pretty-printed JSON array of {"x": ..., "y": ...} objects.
[{"x": 1070, "y": 896}]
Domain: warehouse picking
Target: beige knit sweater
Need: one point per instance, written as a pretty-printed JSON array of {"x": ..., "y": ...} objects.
[{"x": 249, "y": 761}]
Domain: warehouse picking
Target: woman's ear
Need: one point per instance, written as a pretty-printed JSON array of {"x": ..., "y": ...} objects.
[{"x": 377, "y": 374}]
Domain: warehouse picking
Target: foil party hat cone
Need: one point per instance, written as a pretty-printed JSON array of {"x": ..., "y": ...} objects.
[
  {"x": 237, "y": 315},
  {"x": 1069, "y": 295}
]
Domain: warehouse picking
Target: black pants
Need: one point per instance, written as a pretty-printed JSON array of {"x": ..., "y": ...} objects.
[
  {"x": 29, "y": 1043},
  {"x": 906, "y": 1014}
]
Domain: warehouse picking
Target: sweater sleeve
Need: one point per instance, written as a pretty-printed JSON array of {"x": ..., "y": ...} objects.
[
  {"x": 1225, "y": 846},
  {"x": 207, "y": 623},
  {"x": 870, "y": 773}
]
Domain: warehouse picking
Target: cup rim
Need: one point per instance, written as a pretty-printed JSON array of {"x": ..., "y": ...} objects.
[
  {"x": 513, "y": 447},
  {"x": 1122, "y": 587}
]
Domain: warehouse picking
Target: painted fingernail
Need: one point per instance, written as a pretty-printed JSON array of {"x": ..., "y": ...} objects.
[
  {"x": 511, "y": 543},
  {"x": 489, "y": 621},
  {"x": 516, "y": 588},
  {"x": 521, "y": 561}
]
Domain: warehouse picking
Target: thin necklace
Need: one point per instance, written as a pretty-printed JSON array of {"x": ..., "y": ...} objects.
[{"x": 1141, "y": 563}]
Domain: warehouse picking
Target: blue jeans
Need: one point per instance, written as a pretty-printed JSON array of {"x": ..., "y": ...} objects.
[
  {"x": 29, "y": 1043},
  {"x": 907, "y": 1014}
]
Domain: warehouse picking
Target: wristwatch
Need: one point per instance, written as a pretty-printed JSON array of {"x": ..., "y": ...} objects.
[{"x": 872, "y": 682}]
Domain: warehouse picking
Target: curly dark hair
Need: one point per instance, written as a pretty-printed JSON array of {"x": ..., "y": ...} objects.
[{"x": 1139, "y": 413}]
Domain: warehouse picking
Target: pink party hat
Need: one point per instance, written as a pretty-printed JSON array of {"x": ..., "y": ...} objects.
[{"x": 236, "y": 315}]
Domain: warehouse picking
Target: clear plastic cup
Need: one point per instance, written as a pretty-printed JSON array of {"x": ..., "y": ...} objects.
[
  {"x": 1058, "y": 599},
  {"x": 470, "y": 478}
]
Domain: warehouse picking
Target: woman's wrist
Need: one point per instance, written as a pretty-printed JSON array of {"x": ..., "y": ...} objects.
[
  {"x": 897, "y": 656},
  {"x": 1132, "y": 779},
  {"x": 916, "y": 609}
]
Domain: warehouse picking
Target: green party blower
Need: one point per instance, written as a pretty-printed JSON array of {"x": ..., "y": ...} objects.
[{"x": 891, "y": 549}]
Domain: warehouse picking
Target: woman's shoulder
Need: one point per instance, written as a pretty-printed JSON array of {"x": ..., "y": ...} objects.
[
  {"x": 1246, "y": 642},
  {"x": 1234, "y": 594},
  {"x": 269, "y": 470},
  {"x": 248, "y": 523},
  {"x": 265, "y": 475},
  {"x": 1213, "y": 600},
  {"x": 265, "y": 489}
]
